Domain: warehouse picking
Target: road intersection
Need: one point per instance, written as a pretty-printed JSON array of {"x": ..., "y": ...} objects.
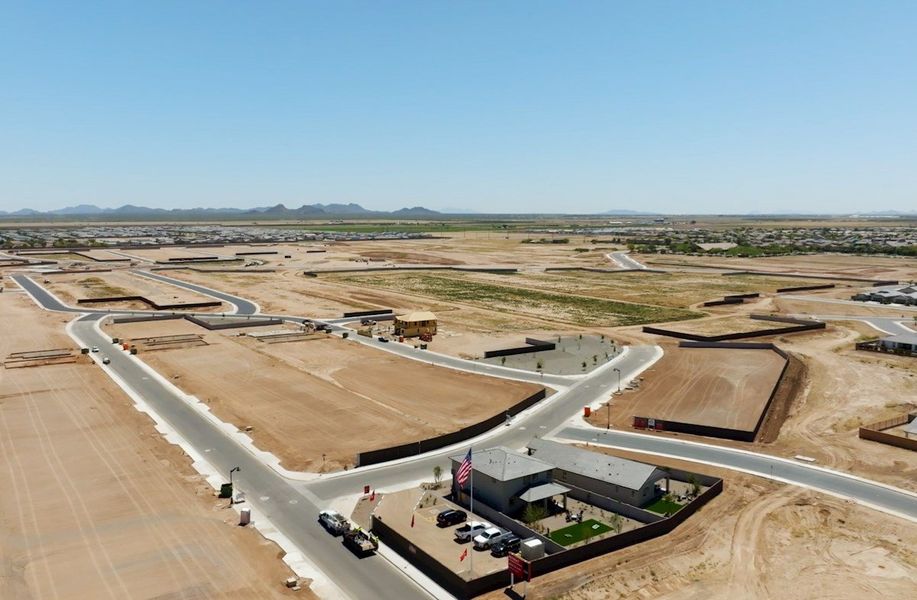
[{"x": 292, "y": 505}]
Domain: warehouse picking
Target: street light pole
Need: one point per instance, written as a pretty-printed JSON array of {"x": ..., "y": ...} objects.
[{"x": 618, "y": 371}]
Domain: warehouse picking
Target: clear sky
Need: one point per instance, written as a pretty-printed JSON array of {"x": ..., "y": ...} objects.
[{"x": 530, "y": 106}]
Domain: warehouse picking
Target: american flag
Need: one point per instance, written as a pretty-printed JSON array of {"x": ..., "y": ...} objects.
[{"x": 464, "y": 470}]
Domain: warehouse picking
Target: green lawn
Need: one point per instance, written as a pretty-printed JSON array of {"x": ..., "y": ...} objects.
[
  {"x": 662, "y": 507},
  {"x": 579, "y": 532}
]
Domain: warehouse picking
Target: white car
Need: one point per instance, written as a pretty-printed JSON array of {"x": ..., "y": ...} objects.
[
  {"x": 485, "y": 539},
  {"x": 95, "y": 348}
]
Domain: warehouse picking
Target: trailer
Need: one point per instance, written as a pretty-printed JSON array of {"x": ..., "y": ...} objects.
[{"x": 361, "y": 542}]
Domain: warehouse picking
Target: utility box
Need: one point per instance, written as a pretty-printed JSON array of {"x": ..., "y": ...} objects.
[
  {"x": 226, "y": 490},
  {"x": 532, "y": 549}
]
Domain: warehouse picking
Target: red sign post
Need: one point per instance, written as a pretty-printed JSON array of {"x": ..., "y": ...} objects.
[{"x": 519, "y": 568}]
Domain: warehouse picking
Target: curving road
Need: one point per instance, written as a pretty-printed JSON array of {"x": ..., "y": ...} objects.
[
  {"x": 293, "y": 505},
  {"x": 286, "y": 505},
  {"x": 885, "y": 498}
]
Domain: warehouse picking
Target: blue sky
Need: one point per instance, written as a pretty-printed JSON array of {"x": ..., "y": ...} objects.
[{"x": 685, "y": 107}]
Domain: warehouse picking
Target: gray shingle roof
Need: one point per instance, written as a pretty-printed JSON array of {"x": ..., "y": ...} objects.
[
  {"x": 618, "y": 471},
  {"x": 504, "y": 464}
]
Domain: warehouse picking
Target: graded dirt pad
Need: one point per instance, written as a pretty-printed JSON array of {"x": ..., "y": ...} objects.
[
  {"x": 835, "y": 265},
  {"x": 675, "y": 290},
  {"x": 96, "y": 503},
  {"x": 732, "y": 324},
  {"x": 718, "y": 387},
  {"x": 757, "y": 540},
  {"x": 75, "y": 286},
  {"x": 328, "y": 396}
]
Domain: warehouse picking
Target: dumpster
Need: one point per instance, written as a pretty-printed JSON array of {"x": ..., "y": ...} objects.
[{"x": 226, "y": 490}]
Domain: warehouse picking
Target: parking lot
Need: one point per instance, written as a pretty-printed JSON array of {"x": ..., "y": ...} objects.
[{"x": 397, "y": 509}]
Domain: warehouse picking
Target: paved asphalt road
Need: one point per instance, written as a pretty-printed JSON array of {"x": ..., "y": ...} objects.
[
  {"x": 625, "y": 261},
  {"x": 540, "y": 422},
  {"x": 291, "y": 512},
  {"x": 884, "y": 498},
  {"x": 243, "y": 306},
  {"x": 293, "y": 506}
]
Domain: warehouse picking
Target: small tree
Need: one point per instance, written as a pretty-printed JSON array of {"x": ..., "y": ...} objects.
[
  {"x": 539, "y": 365},
  {"x": 533, "y": 513},
  {"x": 437, "y": 475},
  {"x": 615, "y": 521},
  {"x": 502, "y": 360},
  {"x": 695, "y": 485}
]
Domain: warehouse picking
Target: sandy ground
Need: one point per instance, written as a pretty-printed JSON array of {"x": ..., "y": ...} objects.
[
  {"x": 72, "y": 287},
  {"x": 682, "y": 289},
  {"x": 96, "y": 503},
  {"x": 757, "y": 540},
  {"x": 837, "y": 265},
  {"x": 730, "y": 324},
  {"x": 298, "y": 395},
  {"x": 716, "y": 387}
]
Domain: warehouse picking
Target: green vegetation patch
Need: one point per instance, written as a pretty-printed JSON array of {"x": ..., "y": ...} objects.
[
  {"x": 583, "y": 310},
  {"x": 663, "y": 506},
  {"x": 579, "y": 532}
]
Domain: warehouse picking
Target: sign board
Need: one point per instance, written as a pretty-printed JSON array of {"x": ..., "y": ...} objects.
[
  {"x": 518, "y": 567},
  {"x": 651, "y": 423}
]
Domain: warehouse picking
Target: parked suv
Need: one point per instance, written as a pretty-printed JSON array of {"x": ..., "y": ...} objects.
[
  {"x": 488, "y": 537},
  {"x": 450, "y": 516},
  {"x": 469, "y": 530},
  {"x": 510, "y": 543}
]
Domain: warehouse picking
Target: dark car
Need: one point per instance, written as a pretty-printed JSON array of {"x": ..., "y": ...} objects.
[
  {"x": 450, "y": 516},
  {"x": 505, "y": 546},
  {"x": 383, "y": 339}
]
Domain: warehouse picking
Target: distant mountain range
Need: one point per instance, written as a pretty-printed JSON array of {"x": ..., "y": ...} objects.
[{"x": 278, "y": 211}]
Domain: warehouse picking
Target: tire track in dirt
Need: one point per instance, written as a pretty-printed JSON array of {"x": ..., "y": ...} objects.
[
  {"x": 78, "y": 509},
  {"x": 18, "y": 491}
]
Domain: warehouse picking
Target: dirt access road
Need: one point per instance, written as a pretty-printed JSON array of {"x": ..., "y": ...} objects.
[{"x": 96, "y": 503}]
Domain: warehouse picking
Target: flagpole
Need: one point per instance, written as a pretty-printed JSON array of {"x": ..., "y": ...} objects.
[{"x": 471, "y": 510}]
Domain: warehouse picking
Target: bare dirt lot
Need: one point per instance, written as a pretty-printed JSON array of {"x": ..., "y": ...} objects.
[
  {"x": 757, "y": 540},
  {"x": 72, "y": 287},
  {"x": 96, "y": 503},
  {"x": 731, "y": 324},
  {"x": 298, "y": 396},
  {"x": 836, "y": 265},
  {"x": 715, "y": 387}
]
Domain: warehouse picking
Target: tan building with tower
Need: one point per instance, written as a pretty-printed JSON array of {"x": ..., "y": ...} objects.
[{"x": 415, "y": 324}]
